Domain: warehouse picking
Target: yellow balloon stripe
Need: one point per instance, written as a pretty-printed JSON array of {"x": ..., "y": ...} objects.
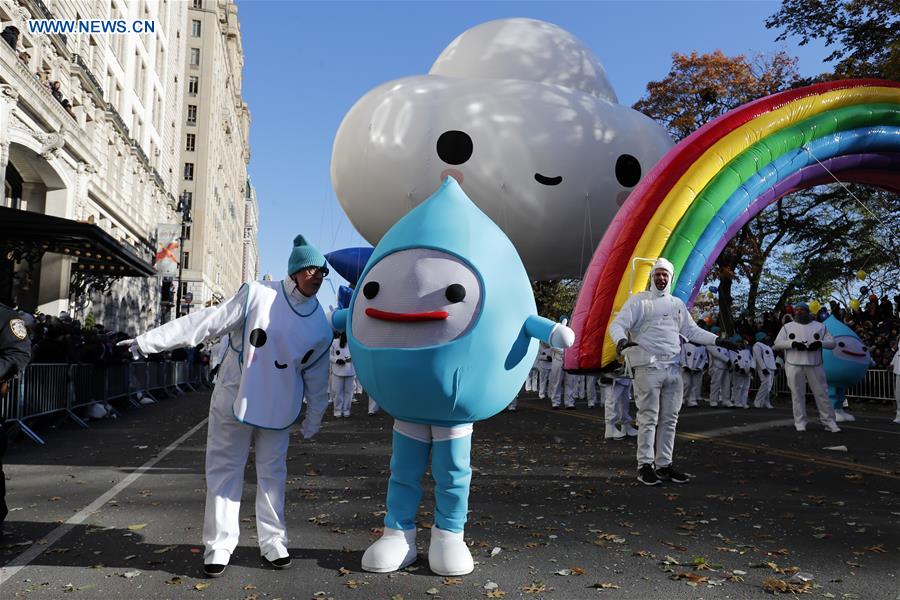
[{"x": 688, "y": 187}]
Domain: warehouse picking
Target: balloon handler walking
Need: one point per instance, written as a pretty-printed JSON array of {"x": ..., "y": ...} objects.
[{"x": 278, "y": 346}]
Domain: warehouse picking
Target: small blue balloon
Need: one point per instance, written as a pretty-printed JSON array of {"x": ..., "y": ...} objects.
[
  {"x": 715, "y": 290},
  {"x": 863, "y": 290}
]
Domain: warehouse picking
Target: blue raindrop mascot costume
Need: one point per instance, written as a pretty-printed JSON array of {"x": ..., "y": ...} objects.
[
  {"x": 443, "y": 330},
  {"x": 278, "y": 341},
  {"x": 845, "y": 365}
]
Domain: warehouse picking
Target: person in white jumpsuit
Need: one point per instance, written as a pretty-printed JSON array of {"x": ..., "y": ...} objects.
[
  {"x": 720, "y": 365},
  {"x": 556, "y": 383},
  {"x": 764, "y": 362},
  {"x": 802, "y": 341},
  {"x": 895, "y": 366},
  {"x": 740, "y": 377},
  {"x": 544, "y": 365},
  {"x": 279, "y": 340},
  {"x": 693, "y": 361},
  {"x": 590, "y": 390},
  {"x": 655, "y": 319},
  {"x": 615, "y": 391},
  {"x": 343, "y": 376}
]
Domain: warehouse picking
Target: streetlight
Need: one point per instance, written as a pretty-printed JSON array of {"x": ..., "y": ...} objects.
[{"x": 184, "y": 207}]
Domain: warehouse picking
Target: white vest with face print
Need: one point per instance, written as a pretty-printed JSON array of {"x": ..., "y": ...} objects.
[{"x": 279, "y": 342}]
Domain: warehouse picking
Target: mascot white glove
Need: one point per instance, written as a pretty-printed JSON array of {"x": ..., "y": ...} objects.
[
  {"x": 562, "y": 336},
  {"x": 133, "y": 347}
]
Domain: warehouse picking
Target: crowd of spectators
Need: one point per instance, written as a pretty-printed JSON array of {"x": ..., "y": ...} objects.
[
  {"x": 10, "y": 35},
  {"x": 877, "y": 323}
]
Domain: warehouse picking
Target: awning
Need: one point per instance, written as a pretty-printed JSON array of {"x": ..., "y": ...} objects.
[{"x": 96, "y": 252}]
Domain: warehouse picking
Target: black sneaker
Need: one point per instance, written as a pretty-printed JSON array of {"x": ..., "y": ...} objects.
[
  {"x": 214, "y": 570},
  {"x": 670, "y": 474},
  {"x": 279, "y": 563},
  {"x": 647, "y": 475}
]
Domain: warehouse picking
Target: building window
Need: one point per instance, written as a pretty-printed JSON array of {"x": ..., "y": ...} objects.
[
  {"x": 186, "y": 261},
  {"x": 189, "y": 171},
  {"x": 193, "y": 85},
  {"x": 192, "y": 114},
  {"x": 186, "y": 232},
  {"x": 197, "y": 4},
  {"x": 195, "y": 57},
  {"x": 190, "y": 142},
  {"x": 195, "y": 28}
]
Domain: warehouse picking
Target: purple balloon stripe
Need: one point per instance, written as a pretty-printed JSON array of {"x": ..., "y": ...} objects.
[{"x": 882, "y": 161}]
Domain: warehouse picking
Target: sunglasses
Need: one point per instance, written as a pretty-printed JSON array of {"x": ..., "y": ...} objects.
[{"x": 313, "y": 271}]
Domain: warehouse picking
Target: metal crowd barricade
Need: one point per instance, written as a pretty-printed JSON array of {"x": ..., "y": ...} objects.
[
  {"x": 46, "y": 389},
  {"x": 878, "y": 385}
]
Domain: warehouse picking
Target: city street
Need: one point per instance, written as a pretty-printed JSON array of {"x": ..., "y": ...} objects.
[{"x": 115, "y": 511}]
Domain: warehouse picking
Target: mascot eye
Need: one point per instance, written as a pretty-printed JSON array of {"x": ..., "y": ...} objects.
[
  {"x": 455, "y": 293},
  {"x": 791, "y": 336},
  {"x": 865, "y": 349},
  {"x": 370, "y": 290},
  {"x": 454, "y": 147},
  {"x": 258, "y": 338},
  {"x": 841, "y": 344},
  {"x": 628, "y": 170}
]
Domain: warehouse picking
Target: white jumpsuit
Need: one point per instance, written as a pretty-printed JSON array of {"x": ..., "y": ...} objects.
[
  {"x": 693, "y": 361},
  {"x": 740, "y": 377},
  {"x": 764, "y": 361},
  {"x": 895, "y": 365},
  {"x": 656, "y": 321},
  {"x": 279, "y": 338},
  {"x": 545, "y": 360},
  {"x": 720, "y": 360},
  {"x": 804, "y": 367},
  {"x": 343, "y": 377}
]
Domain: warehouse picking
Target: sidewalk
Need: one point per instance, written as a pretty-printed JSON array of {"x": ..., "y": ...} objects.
[{"x": 555, "y": 510}]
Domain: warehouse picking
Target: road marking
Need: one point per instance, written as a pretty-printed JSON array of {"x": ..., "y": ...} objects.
[
  {"x": 36, "y": 549},
  {"x": 800, "y": 456},
  {"x": 747, "y": 428}
]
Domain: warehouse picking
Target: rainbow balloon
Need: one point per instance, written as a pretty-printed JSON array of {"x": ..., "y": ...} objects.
[{"x": 706, "y": 188}]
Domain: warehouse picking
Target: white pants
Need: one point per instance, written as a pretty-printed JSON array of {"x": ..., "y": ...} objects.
[
  {"x": 616, "y": 399},
  {"x": 719, "y": 387},
  {"x": 590, "y": 389},
  {"x": 798, "y": 376},
  {"x": 765, "y": 388},
  {"x": 342, "y": 394},
  {"x": 227, "y": 447},
  {"x": 693, "y": 380},
  {"x": 533, "y": 381},
  {"x": 543, "y": 381},
  {"x": 658, "y": 395},
  {"x": 555, "y": 385},
  {"x": 740, "y": 388},
  {"x": 373, "y": 406},
  {"x": 897, "y": 394}
]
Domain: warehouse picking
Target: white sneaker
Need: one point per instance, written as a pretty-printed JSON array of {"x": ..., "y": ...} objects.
[
  {"x": 897, "y": 420},
  {"x": 613, "y": 432},
  {"x": 630, "y": 431},
  {"x": 841, "y": 416},
  {"x": 395, "y": 549},
  {"x": 833, "y": 428},
  {"x": 448, "y": 554}
]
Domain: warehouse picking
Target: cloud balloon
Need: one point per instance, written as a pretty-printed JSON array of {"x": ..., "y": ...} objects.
[{"x": 520, "y": 112}]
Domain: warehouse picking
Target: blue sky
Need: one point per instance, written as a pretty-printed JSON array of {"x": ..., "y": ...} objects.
[{"x": 306, "y": 63}]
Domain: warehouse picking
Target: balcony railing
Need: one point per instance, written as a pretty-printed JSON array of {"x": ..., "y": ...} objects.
[
  {"x": 117, "y": 120},
  {"x": 86, "y": 72}
]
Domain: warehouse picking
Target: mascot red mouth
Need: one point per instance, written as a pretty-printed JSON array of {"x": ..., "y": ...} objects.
[
  {"x": 851, "y": 353},
  {"x": 437, "y": 315}
]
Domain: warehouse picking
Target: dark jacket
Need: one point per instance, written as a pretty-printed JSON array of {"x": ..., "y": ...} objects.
[{"x": 15, "y": 347}]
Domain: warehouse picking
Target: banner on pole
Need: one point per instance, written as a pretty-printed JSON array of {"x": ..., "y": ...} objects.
[{"x": 168, "y": 250}]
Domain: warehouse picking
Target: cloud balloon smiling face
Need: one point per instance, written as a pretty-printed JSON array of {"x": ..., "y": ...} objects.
[{"x": 521, "y": 114}]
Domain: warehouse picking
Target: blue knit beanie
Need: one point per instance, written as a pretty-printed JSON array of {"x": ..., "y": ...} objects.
[
  {"x": 303, "y": 255},
  {"x": 761, "y": 335}
]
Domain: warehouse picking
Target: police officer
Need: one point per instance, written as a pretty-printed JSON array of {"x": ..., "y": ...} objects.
[{"x": 15, "y": 352}]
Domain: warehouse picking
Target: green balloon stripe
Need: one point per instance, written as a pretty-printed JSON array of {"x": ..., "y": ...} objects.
[{"x": 743, "y": 166}]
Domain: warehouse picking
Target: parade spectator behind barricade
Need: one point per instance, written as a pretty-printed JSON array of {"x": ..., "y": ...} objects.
[
  {"x": 15, "y": 352},
  {"x": 56, "y": 91}
]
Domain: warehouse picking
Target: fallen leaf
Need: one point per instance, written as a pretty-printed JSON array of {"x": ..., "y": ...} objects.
[
  {"x": 164, "y": 550},
  {"x": 432, "y": 591},
  {"x": 879, "y": 548},
  {"x": 576, "y": 571},
  {"x": 689, "y": 578},
  {"x": 490, "y": 585},
  {"x": 779, "y": 586},
  {"x": 451, "y": 581},
  {"x": 343, "y": 571},
  {"x": 495, "y": 551},
  {"x": 604, "y": 586},
  {"x": 137, "y": 526},
  {"x": 201, "y": 586},
  {"x": 498, "y": 593},
  {"x": 130, "y": 574},
  {"x": 536, "y": 587},
  {"x": 174, "y": 581}
]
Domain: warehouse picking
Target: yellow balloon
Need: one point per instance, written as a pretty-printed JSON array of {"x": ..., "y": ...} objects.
[
  {"x": 814, "y": 306},
  {"x": 861, "y": 275},
  {"x": 854, "y": 304}
]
